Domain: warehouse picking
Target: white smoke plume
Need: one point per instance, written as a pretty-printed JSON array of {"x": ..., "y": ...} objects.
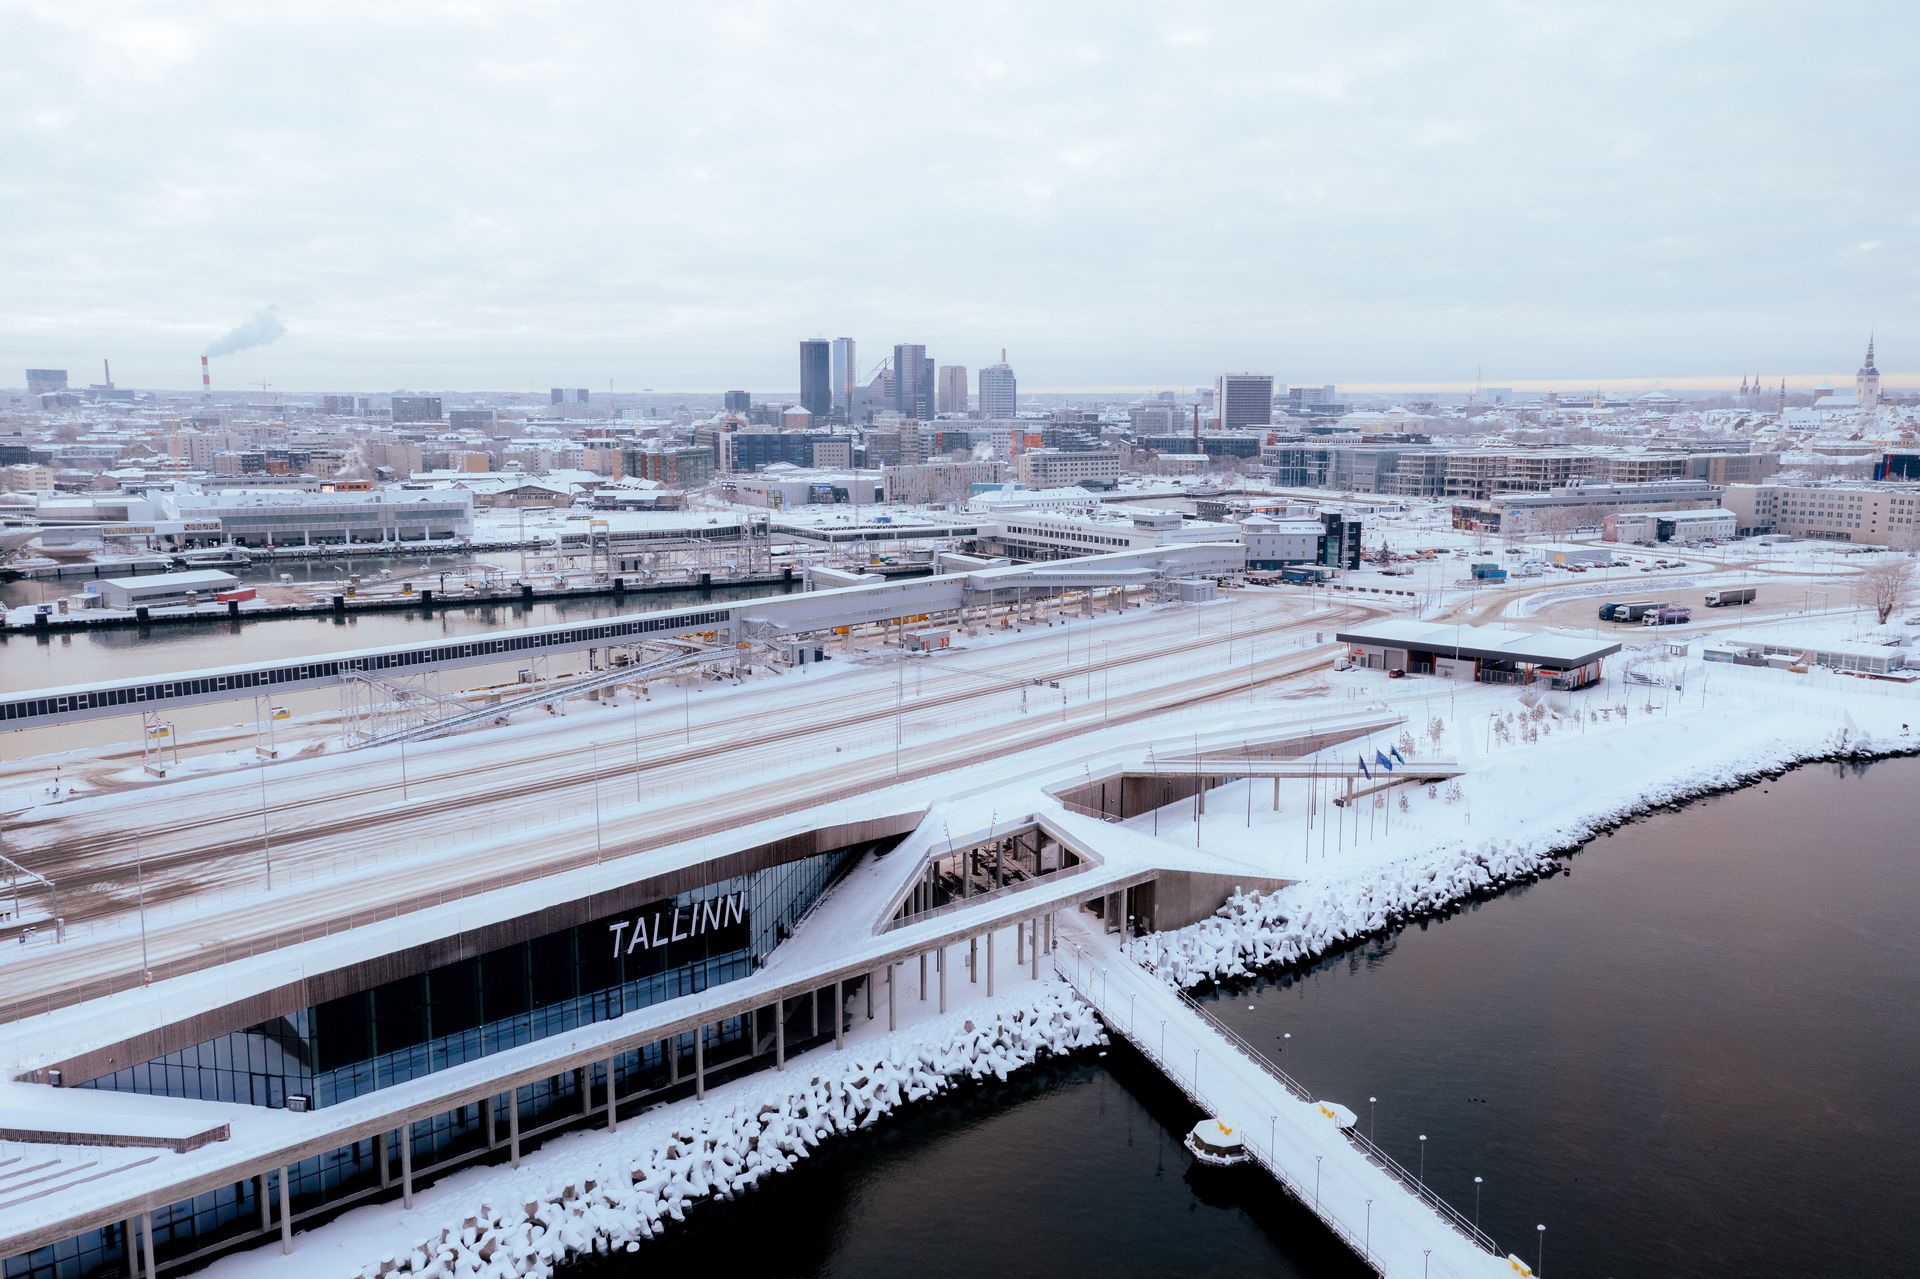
[{"x": 262, "y": 328}]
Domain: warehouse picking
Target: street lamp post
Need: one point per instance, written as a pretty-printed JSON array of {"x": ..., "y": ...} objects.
[
  {"x": 1423, "y": 1163},
  {"x": 266, "y": 843},
  {"x": 1540, "y": 1253},
  {"x": 1370, "y": 1105},
  {"x": 596, "y": 801},
  {"x": 1476, "y": 1203},
  {"x": 140, "y": 871}
]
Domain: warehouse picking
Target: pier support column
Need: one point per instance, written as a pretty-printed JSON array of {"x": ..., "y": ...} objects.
[
  {"x": 839, "y": 1018},
  {"x": 132, "y": 1244},
  {"x": 671, "y": 1047},
  {"x": 973, "y": 960},
  {"x": 265, "y": 1195},
  {"x": 871, "y": 978},
  {"x": 1276, "y": 794},
  {"x": 941, "y": 962},
  {"x": 1033, "y": 951},
  {"x": 780, "y": 1033},
  {"x": 893, "y": 1018},
  {"x": 384, "y": 1157},
  {"x": 146, "y": 1241},
  {"x": 513, "y": 1127},
  {"x": 1020, "y": 943},
  {"x": 989, "y": 965},
  {"x": 1050, "y": 942},
  {"x": 613, "y": 1109},
  {"x": 406, "y": 1164},
  {"x": 286, "y": 1217},
  {"x": 923, "y": 976},
  {"x": 586, "y": 1091},
  {"x": 487, "y": 1124},
  {"x": 813, "y": 1014},
  {"x": 700, "y": 1064}
]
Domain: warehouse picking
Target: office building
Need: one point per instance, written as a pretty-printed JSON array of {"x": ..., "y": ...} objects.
[
  {"x": 1833, "y": 510},
  {"x": 687, "y": 466},
  {"x": 416, "y": 408},
  {"x": 46, "y": 381},
  {"x": 816, "y": 378},
  {"x": 738, "y": 402},
  {"x": 999, "y": 391},
  {"x": 1156, "y": 419},
  {"x": 912, "y": 387},
  {"x": 1648, "y": 528},
  {"x": 295, "y": 517},
  {"x": 1578, "y": 506},
  {"x": 1045, "y": 468},
  {"x": 952, "y": 382},
  {"x": 483, "y": 420},
  {"x": 1062, "y": 534},
  {"x": 1243, "y": 399},
  {"x": 841, "y": 368}
]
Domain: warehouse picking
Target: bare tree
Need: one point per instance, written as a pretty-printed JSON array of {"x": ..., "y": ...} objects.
[{"x": 1888, "y": 586}]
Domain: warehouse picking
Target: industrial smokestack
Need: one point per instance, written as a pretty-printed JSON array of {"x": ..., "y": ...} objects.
[
  {"x": 106, "y": 372},
  {"x": 206, "y": 380}
]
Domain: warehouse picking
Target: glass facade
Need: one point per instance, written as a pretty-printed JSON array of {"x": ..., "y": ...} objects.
[{"x": 458, "y": 1012}]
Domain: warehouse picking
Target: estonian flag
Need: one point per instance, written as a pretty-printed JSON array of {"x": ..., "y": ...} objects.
[
  {"x": 1397, "y": 755},
  {"x": 1380, "y": 758},
  {"x": 1364, "y": 769}
]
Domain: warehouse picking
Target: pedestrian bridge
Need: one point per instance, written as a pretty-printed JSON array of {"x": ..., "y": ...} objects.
[{"x": 1390, "y": 1219}]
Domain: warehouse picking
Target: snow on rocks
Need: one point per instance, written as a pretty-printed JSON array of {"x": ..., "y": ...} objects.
[
  {"x": 1257, "y": 931},
  {"x": 721, "y": 1151}
]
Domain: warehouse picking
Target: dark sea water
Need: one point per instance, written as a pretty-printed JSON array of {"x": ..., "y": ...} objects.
[{"x": 1696, "y": 1054}]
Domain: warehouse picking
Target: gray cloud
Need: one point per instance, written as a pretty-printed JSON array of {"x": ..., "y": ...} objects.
[{"x": 480, "y": 195}]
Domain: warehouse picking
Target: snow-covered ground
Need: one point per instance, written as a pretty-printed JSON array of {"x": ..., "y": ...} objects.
[{"x": 1540, "y": 782}]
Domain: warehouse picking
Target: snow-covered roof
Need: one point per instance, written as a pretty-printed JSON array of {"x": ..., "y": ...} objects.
[{"x": 1500, "y": 642}]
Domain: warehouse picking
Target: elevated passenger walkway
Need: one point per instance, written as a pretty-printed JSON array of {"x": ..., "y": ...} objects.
[{"x": 1395, "y": 1224}]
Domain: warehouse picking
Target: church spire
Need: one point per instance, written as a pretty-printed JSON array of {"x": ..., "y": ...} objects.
[{"x": 1868, "y": 366}]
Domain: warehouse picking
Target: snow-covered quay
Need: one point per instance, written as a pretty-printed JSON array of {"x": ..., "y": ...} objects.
[
  {"x": 606, "y": 1192},
  {"x": 1543, "y": 813}
]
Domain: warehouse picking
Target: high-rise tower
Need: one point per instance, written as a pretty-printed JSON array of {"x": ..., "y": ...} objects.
[
  {"x": 999, "y": 391},
  {"x": 1243, "y": 399},
  {"x": 952, "y": 384},
  {"x": 844, "y": 373},
  {"x": 816, "y": 383},
  {"x": 912, "y": 382}
]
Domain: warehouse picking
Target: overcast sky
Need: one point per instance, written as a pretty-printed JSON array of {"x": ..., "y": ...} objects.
[{"x": 470, "y": 195}]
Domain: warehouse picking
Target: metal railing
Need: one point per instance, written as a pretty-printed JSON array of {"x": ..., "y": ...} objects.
[
  {"x": 1414, "y": 1184},
  {"x": 1189, "y": 1088}
]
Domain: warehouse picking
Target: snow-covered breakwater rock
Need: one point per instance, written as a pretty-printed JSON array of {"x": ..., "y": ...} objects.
[
  {"x": 721, "y": 1150},
  {"x": 1259, "y": 931},
  {"x": 1256, "y": 931}
]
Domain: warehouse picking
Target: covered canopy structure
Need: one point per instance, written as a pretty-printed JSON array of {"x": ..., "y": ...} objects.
[{"x": 1487, "y": 654}]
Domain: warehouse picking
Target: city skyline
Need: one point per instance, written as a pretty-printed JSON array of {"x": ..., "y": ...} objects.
[{"x": 1373, "y": 209}]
